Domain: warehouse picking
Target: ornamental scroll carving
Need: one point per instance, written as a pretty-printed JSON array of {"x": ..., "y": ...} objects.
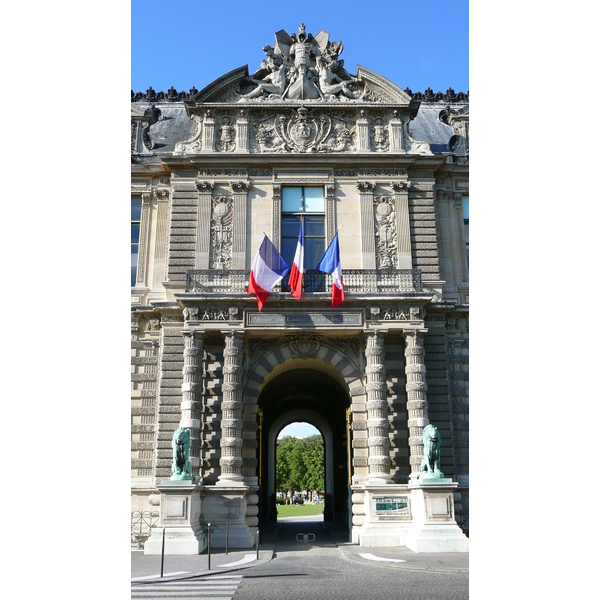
[
  {"x": 386, "y": 232},
  {"x": 221, "y": 232}
]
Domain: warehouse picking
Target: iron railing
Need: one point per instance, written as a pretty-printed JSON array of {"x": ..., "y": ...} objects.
[
  {"x": 355, "y": 280},
  {"x": 142, "y": 523}
]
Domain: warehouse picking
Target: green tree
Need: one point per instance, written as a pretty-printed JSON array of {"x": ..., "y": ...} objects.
[{"x": 300, "y": 463}]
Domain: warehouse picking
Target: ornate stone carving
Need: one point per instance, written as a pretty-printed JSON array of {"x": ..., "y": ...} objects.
[
  {"x": 304, "y": 345},
  {"x": 302, "y": 67},
  {"x": 379, "y": 135},
  {"x": 303, "y": 131},
  {"x": 226, "y": 135},
  {"x": 194, "y": 144},
  {"x": 221, "y": 232},
  {"x": 386, "y": 234}
]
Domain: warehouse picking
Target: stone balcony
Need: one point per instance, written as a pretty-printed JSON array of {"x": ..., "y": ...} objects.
[{"x": 218, "y": 281}]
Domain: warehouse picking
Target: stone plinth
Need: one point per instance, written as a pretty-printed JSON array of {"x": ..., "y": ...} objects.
[
  {"x": 222, "y": 505},
  {"x": 433, "y": 528},
  {"x": 180, "y": 509},
  {"x": 387, "y": 511}
]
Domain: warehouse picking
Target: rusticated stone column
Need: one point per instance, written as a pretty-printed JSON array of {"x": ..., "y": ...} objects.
[
  {"x": 416, "y": 393},
  {"x": 377, "y": 410},
  {"x": 191, "y": 392},
  {"x": 231, "y": 408}
]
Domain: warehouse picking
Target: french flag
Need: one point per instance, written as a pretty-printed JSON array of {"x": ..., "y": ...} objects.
[
  {"x": 298, "y": 268},
  {"x": 268, "y": 269},
  {"x": 330, "y": 263}
]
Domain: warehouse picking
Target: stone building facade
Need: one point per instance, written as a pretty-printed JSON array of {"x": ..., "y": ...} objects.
[{"x": 300, "y": 139}]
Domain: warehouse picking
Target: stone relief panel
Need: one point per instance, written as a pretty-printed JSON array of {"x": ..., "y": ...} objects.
[
  {"x": 302, "y": 131},
  {"x": 379, "y": 134},
  {"x": 386, "y": 232},
  {"x": 221, "y": 232}
]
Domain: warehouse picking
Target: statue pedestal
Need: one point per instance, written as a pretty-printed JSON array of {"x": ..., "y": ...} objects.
[
  {"x": 180, "y": 518},
  {"x": 387, "y": 515},
  {"x": 433, "y": 528}
]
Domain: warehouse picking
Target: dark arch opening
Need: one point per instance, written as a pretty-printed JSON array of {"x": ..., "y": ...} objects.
[{"x": 320, "y": 395}]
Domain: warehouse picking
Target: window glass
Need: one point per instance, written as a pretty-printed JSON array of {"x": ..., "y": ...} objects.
[
  {"x": 136, "y": 212},
  {"x": 136, "y": 208},
  {"x": 314, "y": 200},
  {"x": 291, "y": 199},
  {"x": 465, "y": 204}
]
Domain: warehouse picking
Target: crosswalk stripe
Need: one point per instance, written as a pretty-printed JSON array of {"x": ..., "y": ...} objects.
[{"x": 219, "y": 587}]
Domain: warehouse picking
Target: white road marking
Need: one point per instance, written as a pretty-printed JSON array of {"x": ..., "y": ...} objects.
[{"x": 378, "y": 558}]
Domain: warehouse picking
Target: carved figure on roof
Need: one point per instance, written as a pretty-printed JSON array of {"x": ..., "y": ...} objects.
[
  {"x": 330, "y": 83},
  {"x": 272, "y": 83}
]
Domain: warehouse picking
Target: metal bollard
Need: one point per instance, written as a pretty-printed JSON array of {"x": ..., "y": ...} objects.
[
  {"x": 162, "y": 558},
  {"x": 227, "y": 538},
  {"x": 257, "y": 540},
  {"x": 209, "y": 546}
]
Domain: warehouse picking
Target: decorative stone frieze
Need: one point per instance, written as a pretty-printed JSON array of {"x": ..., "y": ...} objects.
[
  {"x": 231, "y": 407},
  {"x": 386, "y": 233}
]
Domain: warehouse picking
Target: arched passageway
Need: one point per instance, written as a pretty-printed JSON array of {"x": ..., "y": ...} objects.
[{"x": 316, "y": 398}]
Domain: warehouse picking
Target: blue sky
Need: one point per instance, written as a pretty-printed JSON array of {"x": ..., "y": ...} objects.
[
  {"x": 413, "y": 44},
  {"x": 298, "y": 430}
]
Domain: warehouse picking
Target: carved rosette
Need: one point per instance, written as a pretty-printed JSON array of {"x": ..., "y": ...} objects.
[
  {"x": 377, "y": 408},
  {"x": 231, "y": 406},
  {"x": 221, "y": 232},
  {"x": 416, "y": 392},
  {"x": 386, "y": 234}
]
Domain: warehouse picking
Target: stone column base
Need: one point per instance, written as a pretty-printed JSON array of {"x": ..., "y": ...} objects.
[
  {"x": 180, "y": 519},
  {"x": 222, "y": 505},
  {"x": 433, "y": 528}
]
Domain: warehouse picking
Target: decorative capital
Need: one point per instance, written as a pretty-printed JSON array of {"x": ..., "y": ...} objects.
[
  {"x": 239, "y": 187},
  {"x": 161, "y": 195},
  {"x": 365, "y": 187},
  {"x": 146, "y": 197},
  {"x": 401, "y": 186},
  {"x": 205, "y": 186}
]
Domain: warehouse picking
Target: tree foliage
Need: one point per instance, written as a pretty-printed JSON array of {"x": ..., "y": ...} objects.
[{"x": 300, "y": 463}]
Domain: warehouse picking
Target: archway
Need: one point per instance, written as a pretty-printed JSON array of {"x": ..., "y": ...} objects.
[{"x": 304, "y": 394}]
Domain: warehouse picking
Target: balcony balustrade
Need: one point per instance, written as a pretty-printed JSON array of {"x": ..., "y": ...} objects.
[{"x": 215, "y": 281}]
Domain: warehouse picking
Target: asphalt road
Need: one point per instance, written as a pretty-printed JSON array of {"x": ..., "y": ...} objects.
[{"x": 321, "y": 570}]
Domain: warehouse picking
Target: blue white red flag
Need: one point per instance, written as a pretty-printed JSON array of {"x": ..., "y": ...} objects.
[
  {"x": 298, "y": 267},
  {"x": 330, "y": 263},
  {"x": 268, "y": 269}
]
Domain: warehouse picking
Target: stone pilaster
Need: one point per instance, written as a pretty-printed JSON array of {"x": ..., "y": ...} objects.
[
  {"x": 403, "y": 223},
  {"x": 240, "y": 201},
  {"x": 462, "y": 247},
  {"x": 396, "y": 141},
  {"x": 143, "y": 243},
  {"x": 276, "y": 239},
  {"x": 416, "y": 393},
  {"x": 191, "y": 393},
  {"x": 242, "y": 134},
  {"x": 377, "y": 410},
  {"x": 208, "y": 133},
  {"x": 231, "y": 410},
  {"x": 362, "y": 139},
  {"x": 205, "y": 189},
  {"x": 367, "y": 223}
]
